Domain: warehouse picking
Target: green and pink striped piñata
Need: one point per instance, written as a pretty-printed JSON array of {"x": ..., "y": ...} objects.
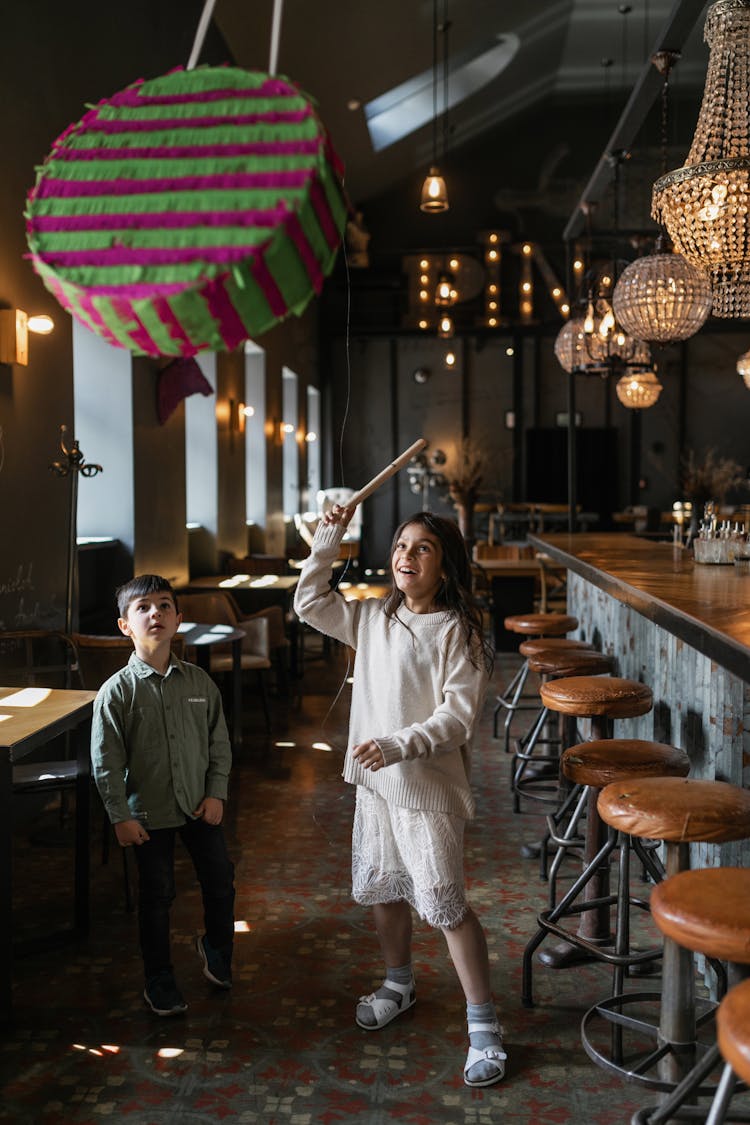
[{"x": 188, "y": 212}]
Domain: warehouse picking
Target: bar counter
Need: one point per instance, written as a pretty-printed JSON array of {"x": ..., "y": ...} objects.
[{"x": 679, "y": 626}]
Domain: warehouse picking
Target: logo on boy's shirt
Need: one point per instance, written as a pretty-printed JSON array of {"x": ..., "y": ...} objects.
[{"x": 197, "y": 699}]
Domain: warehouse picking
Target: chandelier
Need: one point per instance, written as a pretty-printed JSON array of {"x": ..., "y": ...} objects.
[
  {"x": 743, "y": 368},
  {"x": 704, "y": 204},
  {"x": 569, "y": 349},
  {"x": 662, "y": 297},
  {"x": 638, "y": 389}
]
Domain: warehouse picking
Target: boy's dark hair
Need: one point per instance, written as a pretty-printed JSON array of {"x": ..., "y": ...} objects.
[
  {"x": 140, "y": 587},
  {"x": 455, "y": 594}
]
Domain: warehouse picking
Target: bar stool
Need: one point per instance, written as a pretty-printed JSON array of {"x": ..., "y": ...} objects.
[
  {"x": 593, "y": 765},
  {"x": 530, "y": 775},
  {"x": 527, "y": 625},
  {"x": 733, "y": 1031},
  {"x": 706, "y": 911},
  {"x": 677, "y": 811}
]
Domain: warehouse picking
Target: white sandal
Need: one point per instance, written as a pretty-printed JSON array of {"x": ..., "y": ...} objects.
[
  {"x": 494, "y": 1055},
  {"x": 384, "y": 1009}
]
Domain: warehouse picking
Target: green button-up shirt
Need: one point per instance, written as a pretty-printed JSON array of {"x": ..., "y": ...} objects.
[{"x": 159, "y": 744}]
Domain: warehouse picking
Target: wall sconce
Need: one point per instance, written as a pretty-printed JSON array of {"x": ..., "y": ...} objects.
[{"x": 15, "y": 326}]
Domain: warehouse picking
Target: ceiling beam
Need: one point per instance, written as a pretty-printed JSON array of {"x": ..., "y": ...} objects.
[{"x": 677, "y": 28}]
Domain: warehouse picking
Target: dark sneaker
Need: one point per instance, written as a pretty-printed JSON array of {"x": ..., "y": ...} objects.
[
  {"x": 216, "y": 966},
  {"x": 163, "y": 996}
]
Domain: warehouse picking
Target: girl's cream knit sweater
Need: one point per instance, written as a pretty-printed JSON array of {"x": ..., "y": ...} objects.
[{"x": 415, "y": 690}]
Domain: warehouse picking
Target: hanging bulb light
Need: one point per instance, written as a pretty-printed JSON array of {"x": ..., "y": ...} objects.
[
  {"x": 445, "y": 292},
  {"x": 704, "y": 204},
  {"x": 445, "y": 327},
  {"x": 743, "y": 368},
  {"x": 638, "y": 389},
  {"x": 434, "y": 192}
]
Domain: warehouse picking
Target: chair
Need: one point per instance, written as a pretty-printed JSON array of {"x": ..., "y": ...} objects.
[
  {"x": 279, "y": 645},
  {"x": 216, "y": 608}
]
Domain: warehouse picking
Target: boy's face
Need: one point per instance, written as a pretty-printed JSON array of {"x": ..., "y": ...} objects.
[{"x": 151, "y": 621}]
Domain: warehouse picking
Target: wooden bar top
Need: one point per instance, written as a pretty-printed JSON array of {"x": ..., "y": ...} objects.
[{"x": 708, "y": 606}]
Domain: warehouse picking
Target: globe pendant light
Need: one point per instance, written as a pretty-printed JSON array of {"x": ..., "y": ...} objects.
[
  {"x": 569, "y": 345},
  {"x": 743, "y": 368},
  {"x": 638, "y": 389},
  {"x": 662, "y": 297},
  {"x": 704, "y": 204}
]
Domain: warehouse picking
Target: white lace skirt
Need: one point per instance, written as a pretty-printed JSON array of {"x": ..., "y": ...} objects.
[{"x": 407, "y": 854}]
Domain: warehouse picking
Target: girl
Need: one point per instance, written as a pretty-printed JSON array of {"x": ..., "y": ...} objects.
[{"x": 420, "y": 675}]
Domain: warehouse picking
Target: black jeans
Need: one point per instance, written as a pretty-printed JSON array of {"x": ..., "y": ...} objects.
[{"x": 156, "y": 889}]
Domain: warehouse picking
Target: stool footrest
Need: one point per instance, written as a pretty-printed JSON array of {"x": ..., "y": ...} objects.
[{"x": 643, "y": 1061}]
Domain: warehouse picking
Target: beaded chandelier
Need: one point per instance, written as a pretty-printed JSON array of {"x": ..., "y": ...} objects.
[
  {"x": 638, "y": 389},
  {"x": 662, "y": 297},
  {"x": 569, "y": 349},
  {"x": 704, "y": 204}
]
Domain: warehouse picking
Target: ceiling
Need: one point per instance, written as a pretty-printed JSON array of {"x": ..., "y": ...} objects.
[{"x": 349, "y": 53}]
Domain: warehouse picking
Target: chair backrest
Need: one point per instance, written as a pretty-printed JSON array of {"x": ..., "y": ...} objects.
[
  {"x": 503, "y": 551},
  {"x": 99, "y": 657},
  {"x": 210, "y": 608},
  {"x": 38, "y": 658}
]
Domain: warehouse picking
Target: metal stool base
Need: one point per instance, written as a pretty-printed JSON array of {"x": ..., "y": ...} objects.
[{"x": 645, "y": 1060}]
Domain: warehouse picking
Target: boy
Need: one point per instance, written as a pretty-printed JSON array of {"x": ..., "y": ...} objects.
[{"x": 161, "y": 759}]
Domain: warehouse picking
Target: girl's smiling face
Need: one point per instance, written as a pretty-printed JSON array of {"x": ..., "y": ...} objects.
[{"x": 417, "y": 567}]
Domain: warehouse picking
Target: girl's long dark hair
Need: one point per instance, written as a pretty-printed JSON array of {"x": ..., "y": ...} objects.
[{"x": 455, "y": 593}]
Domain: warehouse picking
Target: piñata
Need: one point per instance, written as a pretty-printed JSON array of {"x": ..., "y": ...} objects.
[{"x": 191, "y": 211}]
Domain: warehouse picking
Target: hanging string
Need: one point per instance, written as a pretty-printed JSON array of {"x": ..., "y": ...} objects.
[
  {"x": 200, "y": 34},
  {"x": 434, "y": 81},
  {"x": 445, "y": 28},
  {"x": 273, "y": 57}
]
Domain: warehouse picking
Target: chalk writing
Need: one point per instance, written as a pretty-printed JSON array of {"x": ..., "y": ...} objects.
[{"x": 22, "y": 581}]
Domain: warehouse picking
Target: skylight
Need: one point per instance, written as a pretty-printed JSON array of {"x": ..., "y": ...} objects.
[{"x": 409, "y": 106}]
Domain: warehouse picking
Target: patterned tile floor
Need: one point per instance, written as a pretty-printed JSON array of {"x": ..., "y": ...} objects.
[{"x": 282, "y": 1046}]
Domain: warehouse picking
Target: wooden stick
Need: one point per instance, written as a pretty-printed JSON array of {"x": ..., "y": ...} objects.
[{"x": 386, "y": 474}]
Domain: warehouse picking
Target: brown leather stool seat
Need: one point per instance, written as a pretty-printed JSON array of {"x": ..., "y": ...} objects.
[
  {"x": 531, "y": 773},
  {"x": 678, "y": 811},
  {"x": 546, "y": 644},
  {"x": 570, "y": 662},
  {"x": 511, "y": 698},
  {"x": 541, "y": 624},
  {"x": 733, "y": 1035},
  {"x": 613, "y": 759},
  {"x": 587, "y": 697},
  {"x": 591, "y": 765}
]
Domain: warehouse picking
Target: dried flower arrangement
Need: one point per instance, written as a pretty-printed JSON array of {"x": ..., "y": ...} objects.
[
  {"x": 466, "y": 470},
  {"x": 712, "y": 477},
  {"x": 464, "y": 480}
]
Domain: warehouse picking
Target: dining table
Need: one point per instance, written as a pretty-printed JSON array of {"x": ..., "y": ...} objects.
[{"x": 30, "y": 718}]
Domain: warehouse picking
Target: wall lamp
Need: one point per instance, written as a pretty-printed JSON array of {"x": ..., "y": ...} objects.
[{"x": 15, "y": 326}]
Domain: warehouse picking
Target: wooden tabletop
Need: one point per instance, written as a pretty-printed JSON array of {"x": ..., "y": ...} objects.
[
  {"x": 30, "y": 716},
  {"x": 244, "y": 582},
  {"x": 707, "y": 606}
]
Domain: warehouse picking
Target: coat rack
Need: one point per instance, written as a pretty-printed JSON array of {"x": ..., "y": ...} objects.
[{"x": 72, "y": 465}]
